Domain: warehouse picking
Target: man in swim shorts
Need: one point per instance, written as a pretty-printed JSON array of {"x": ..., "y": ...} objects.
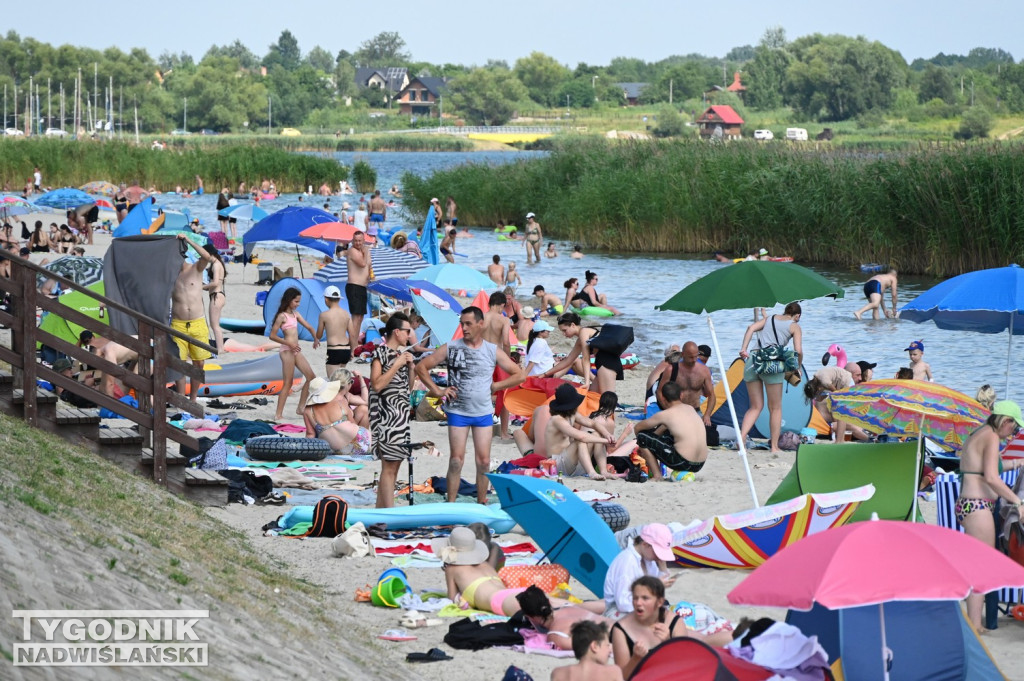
[
  {"x": 874, "y": 291},
  {"x": 471, "y": 362},
  {"x": 335, "y": 321},
  {"x": 359, "y": 262},
  {"x": 188, "y": 314},
  {"x": 378, "y": 214},
  {"x": 550, "y": 304},
  {"x": 674, "y": 436}
]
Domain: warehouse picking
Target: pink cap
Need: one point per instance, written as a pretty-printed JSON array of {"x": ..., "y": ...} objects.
[{"x": 660, "y": 539}]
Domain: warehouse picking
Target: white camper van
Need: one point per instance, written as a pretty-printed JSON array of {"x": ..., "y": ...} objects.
[{"x": 796, "y": 134}]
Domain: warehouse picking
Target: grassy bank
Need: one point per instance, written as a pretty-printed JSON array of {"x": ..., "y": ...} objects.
[
  {"x": 73, "y": 163},
  {"x": 937, "y": 211}
]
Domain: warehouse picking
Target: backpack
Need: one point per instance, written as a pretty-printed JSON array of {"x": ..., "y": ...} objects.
[
  {"x": 613, "y": 338},
  {"x": 328, "y": 517}
]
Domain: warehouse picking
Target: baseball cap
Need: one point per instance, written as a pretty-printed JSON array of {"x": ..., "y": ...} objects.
[
  {"x": 62, "y": 364},
  {"x": 660, "y": 539},
  {"x": 541, "y": 325},
  {"x": 703, "y": 350},
  {"x": 866, "y": 366},
  {"x": 24, "y": 251},
  {"x": 332, "y": 292},
  {"x": 434, "y": 200},
  {"x": 916, "y": 345},
  {"x": 1008, "y": 408},
  {"x": 531, "y": 215}
]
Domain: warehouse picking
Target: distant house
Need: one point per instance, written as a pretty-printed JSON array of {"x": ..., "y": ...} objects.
[
  {"x": 393, "y": 78},
  {"x": 722, "y": 118},
  {"x": 420, "y": 97},
  {"x": 736, "y": 87},
  {"x": 631, "y": 92}
]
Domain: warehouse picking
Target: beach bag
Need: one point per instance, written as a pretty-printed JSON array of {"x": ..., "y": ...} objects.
[
  {"x": 789, "y": 441},
  {"x": 545, "y": 577},
  {"x": 774, "y": 359},
  {"x": 328, "y": 517},
  {"x": 613, "y": 338},
  {"x": 428, "y": 409},
  {"x": 353, "y": 543}
]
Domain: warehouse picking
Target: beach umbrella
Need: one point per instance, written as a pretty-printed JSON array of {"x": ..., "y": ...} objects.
[
  {"x": 386, "y": 263},
  {"x": 875, "y": 562},
  {"x": 285, "y": 225},
  {"x": 401, "y": 289},
  {"x": 84, "y": 270},
  {"x": 55, "y": 324},
  {"x": 9, "y": 210},
  {"x": 100, "y": 187},
  {"x": 65, "y": 198},
  {"x": 334, "y": 231},
  {"x": 985, "y": 301},
  {"x": 755, "y": 283},
  {"x": 428, "y": 240},
  {"x": 438, "y": 314},
  {"x": 567, "y": 529},
  {"x": 244, "y": 211},
  {"x": 457, "y": 278},
  {"x": 140, "y": 220}
]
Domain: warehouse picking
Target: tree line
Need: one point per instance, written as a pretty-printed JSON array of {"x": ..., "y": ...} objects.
[{"x": 231, "y": 88}]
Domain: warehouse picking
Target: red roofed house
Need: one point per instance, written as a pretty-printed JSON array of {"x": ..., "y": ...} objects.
[
  {"x": 737, "y": 87},
  {"x": 720, "y": 117}
]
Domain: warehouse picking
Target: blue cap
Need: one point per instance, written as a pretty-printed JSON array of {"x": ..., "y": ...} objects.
[{"x": 916, "y": 345}]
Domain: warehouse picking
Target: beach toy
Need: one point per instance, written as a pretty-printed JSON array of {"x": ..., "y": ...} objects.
[
  {"x": 836, "y": 351},
  {"x": 808, "y": 435},
  {"x": 397, "y": 573},
  {"x": 413, "y": 517},
  {"x": 591, "y": 311},
  {"x": 387, "y": 592},
  {"x": 244, "y": 325},
  {"x": 682, "y": 476},
  {"x": 260, "y": 376}
]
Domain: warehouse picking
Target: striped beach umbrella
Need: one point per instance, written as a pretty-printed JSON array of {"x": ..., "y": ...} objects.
[{"x": 386, "y": 263}]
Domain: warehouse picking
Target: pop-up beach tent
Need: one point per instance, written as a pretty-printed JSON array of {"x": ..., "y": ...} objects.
[
  {"x": 310, "y": 307},
  {"x": 688, "y": 658},
  {"x": 796, "y": 410},
  {"x": 892, "y": 467},
  {"x": 929, "y": 640}
]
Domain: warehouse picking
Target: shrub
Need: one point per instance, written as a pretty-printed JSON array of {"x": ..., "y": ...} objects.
[
  {"x": 976, "y": 122},
  {"x": 364, "y": 176}
]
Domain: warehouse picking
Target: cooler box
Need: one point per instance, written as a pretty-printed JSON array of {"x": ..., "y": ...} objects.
[{"x": 265, "y": 271}]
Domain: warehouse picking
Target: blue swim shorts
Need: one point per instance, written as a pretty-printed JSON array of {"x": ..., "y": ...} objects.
[{"x": 460, "y": 421}]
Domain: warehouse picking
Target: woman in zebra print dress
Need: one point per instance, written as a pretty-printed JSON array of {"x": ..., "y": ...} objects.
[{"x": 391, "y": 378}]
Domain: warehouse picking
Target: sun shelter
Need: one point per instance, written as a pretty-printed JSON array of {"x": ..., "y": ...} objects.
[
  {"x": 796, "y": 410},
  {"x": 929, "y": 639},
  {"x": 688, "y": 658},
  {"x": 310, "y": 307},
  {"x": 892, "y": 467}
]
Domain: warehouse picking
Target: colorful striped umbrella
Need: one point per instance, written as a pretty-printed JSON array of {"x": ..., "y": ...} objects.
[
  {"x": 746, "y": 539},
  {"x": 101, "y": 187},
  {"x": 899, "y": 407}
]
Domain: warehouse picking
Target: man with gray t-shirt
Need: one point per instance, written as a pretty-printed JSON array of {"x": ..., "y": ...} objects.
[{"x": 471, "y": 361}]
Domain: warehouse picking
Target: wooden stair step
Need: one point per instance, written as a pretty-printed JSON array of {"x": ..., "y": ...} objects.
[
  {"x": 6, "y": 377},
  {"x": 199, "y": 477},
  {"x": 173, "y": 458},
  {"x": 119, "y": 436},
  {"x": 42, "y": 397},
  {"x": 71, "y": 415}
]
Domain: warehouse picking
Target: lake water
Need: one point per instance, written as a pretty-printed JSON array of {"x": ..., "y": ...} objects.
[{"x": 635, "y": 283}]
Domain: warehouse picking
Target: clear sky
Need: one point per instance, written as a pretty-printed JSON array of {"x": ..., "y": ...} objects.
[{"x": 471, "y": 32}]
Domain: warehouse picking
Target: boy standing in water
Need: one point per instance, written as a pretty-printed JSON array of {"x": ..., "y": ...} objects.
[
  {"x": 922, "y": 371},
  {"x": 335, "y": 321}
]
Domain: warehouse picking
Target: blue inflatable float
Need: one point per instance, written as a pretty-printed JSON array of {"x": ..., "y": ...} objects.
[{"x": 412, "y": 517}]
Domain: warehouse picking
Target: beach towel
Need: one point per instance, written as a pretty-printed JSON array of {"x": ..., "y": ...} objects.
[{"x": 139, "y": 272}]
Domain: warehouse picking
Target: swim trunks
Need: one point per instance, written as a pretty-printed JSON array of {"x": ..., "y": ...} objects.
[
  {"x": 337, "y": 356},
  {"x": 609, "y": 360},
  {"x": 376, "y": 217},
  {"x": 872, "y": 286},
  {"x": 455, "y": 221},
  {"x": 195, "y": 329},
  {"x": 663, "y": 447},
  {"x": 356, "y": 295},
  {"x": 460, "y": 421},
  {"x": 445, "y": 251}
]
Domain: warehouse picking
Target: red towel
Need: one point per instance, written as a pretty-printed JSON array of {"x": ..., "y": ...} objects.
[{"x": 528, "y": 461}]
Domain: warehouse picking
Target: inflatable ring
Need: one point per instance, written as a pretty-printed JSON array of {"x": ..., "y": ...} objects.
[
  {"x": 592, "y": 311},
  {"x": 835, "y": 350},
  {"x": 615, "y": 515},
  {"x": 278, "y": 448}
]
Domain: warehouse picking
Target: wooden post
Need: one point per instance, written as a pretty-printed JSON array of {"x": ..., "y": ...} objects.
[
  {"x": 160, "y": 425},
  {"x": 146, "y": 372},
  {"x": 27, "y": 279}
]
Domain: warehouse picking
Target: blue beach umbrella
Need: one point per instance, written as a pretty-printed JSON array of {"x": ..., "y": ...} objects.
[
  {"x": 65, "y": 198},
  {"x": 285, "y": 225},
  {"x": 566, "y": 528},
  {"x": 428, "y": 240},
  {"x": 244, "y": 211},
  {"x": 441, "y": 316},
  {"x": 986, "y": 301},
  {"x": 456, "y": 277}
]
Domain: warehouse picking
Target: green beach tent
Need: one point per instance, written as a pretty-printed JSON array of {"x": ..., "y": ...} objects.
[
  {"x": 58, "y": 326},
  {"x": 889, "y": 466}
]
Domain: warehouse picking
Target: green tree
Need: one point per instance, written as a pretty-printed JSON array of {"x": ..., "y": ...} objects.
[
  {"x": 284, "y": 53},
  {"x": 543, "y": 76},
  {"x": 670, "y": 123},
  {"x": 321, "y": 60},
  {"x": 630, "y": 70},
  {"x": 296, "y": 93},
  {"x": 344, "y": 78},
  {"x": 684, "y": 81},
  {"x": 578, "y": 92},
  {"x": 487, "y": 96},
  {"x": 221, "y": 97},
  {"x": 237, "y": 51},
  {"x": 976, "y": 122},
  {"x": 384, "y": 49},
  {"x": 742, "y": 53},
  {"x": 936, "y": 83},
  {"x": 765, "y": 75}
]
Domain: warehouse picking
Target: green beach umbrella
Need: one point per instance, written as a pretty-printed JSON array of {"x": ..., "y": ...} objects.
[
  {"x": 754, "y": 283},
  {"x": 58, "y": 326}
]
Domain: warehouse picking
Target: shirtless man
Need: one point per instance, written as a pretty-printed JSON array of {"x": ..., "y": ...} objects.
[
  {"x": 448, "y": 243},
  {"x": 575, "y": 451},
  {"x": 112, "y": 352},
  {"x": 693, "y": 379},
  {"x": 674, "y": 436},
  {"x": 874, "y": 291},
  {"x": 496, "y": 271},
  {"x": 359, "y": 262},
  {"x": 335, "y": 321},
  {"x": 325, "y": 189},
  {"x": 188, "y": 315},
  {"x": 549, "y": 304},
  {"x": 378, "y": 214},
  {"x": 534, "y": 442},
  {"x": 450, "y": 208}
]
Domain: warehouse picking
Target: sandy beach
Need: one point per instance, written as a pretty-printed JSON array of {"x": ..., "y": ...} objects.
[{"x": 719, "y": 488}]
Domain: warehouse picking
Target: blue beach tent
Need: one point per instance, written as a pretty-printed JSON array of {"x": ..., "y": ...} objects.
[{"x": 310, "y": 308}]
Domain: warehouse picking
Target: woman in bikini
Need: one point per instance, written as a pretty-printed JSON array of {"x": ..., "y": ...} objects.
[
  {"x": 591, "y": 295},
  {"x": 66, "y": 239},
  {"x": 534, "y": 236},
  {"x": 286, "y": 332},
  {"x": 608, "y": 364},
  {"x": 470, "y": 579},
  {"x": 981, "y": 486},
  {"x": 556, "y": 621},
  {"x": 218, "y": 273},
  {"x": 642, "y": 630},
  {"x": 328, "y": 415},
  {"x": 39, "y": 242}
]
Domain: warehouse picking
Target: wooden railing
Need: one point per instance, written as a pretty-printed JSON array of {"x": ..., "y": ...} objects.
[{"x": 157, "y": 354}]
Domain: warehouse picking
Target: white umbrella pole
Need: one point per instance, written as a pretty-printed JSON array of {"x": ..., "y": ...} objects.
[
  {"x": 885, "y": 648},
  {"x": 740, "y": 443},
  {"x": 1009, "y": 350}
]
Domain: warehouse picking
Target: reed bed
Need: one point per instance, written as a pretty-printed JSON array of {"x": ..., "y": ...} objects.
[
  {"x": 73, "y": 163},
  {"x": 325, "y": 143},
  {"x": 940, "y": 211}
]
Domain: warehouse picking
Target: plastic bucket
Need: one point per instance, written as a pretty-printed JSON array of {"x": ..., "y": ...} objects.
[
  {"x": 397, "y": 573},
  {"x": 808, "y": 435},
  {"x": 387, "y": 592}
]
